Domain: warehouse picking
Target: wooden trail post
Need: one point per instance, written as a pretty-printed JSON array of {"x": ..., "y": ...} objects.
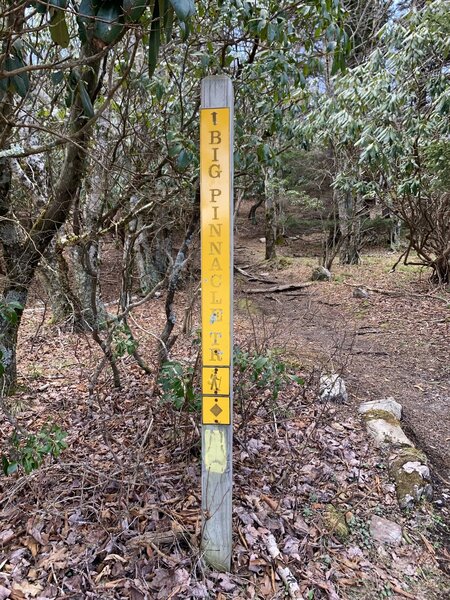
[{"x": 216, "y": 202}]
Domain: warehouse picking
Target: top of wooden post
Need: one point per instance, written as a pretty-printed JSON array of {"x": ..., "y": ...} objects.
[{"x": 217, "y": 92}]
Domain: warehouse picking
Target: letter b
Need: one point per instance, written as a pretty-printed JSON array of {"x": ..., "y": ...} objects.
[{"x": 216, "y": 138}]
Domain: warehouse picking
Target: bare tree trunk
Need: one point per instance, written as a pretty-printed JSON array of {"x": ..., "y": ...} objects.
[
  {"x": 86, "y": 254},
  {"x": 350, "y": 225},
  {"x": 54, "y": 274},
  {"x": 394, "y": 240},
  {"x": 271, "y": 227},
  {"x": 254, "y": 208},
  {"x": 86, "y": 262},
  {"x": 152, "y": 257},
  {"x": 167, "y": 339},
  {"x": 333, "y": 241},
  {"x": 152, "y": 247},
  {"x": 441, "y": 269},
  {"x": 23, "y": 253},
  {"x": 16, "y": 287}
]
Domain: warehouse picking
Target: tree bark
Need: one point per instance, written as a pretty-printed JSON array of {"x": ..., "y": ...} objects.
[
  {"x": 54, "y": 274},
  {"x": 23, "y": 253},
  {"x": 394, "y": 239},
  {"x": 271, "y": 227},
  {"x": 441, "y": 269},
  {"x": 167, "y": 339},
  {"x": 87, "y": 220},
  {"x": 152, "y": 257},
  {"x": 332, "y": 242},
  {"x": 350, "y": 226}
]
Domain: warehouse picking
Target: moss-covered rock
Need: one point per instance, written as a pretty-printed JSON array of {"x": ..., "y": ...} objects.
[
  {"x": 387, "y": 404},
  {"x": 381, "y": 414},
  {"x": 386, "y": 430},
  {"x": 335, "y": 521},
  {"x": 411, "y": 474}
]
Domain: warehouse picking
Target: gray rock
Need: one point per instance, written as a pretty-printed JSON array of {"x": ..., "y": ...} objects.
[
  {"x": 321, "y": 274},
  {"x": 385, "y": 433},
  {"x": 409, "y": 469},
  {"x": 384, "y": 531},
  {"x": 407, "y": 465},
  {"x": 412, "y": 466},
  {"x": 387, "y": 404},
  {"x": 332, "y": 389},
  {"x": 360, "y": 292}
]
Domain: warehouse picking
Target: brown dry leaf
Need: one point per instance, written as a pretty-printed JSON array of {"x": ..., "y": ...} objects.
[
  {"x": 25, "y": 590},
  {"x": 270, "y": 502},
  {"x": 32, "y": 546},
  {"x": 56, "y": 559},
  {"x": 113, "y": 584},
  {"x": 34, "y": 528},
  {"x": 255, "y": 563},
  {"x": 429, "y": 547},
  {"x": 6, "y": 536},
  {"x": 115, "y": 557},
  {"x": 351, "y": 582},
  {"x": 226, "y": 583},
  {"x": 103, "y": 573},
  {"x": 4, "y": 593},
  {"x": 266, "y": 587}
]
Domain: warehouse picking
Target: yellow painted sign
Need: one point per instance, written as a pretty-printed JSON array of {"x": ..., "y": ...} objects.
[
  {"x": 215, "y": 454},
  {"x": 216, "y": 410},
  {"x": 216, "y": 381},
  {"x": 215, "y": 204}
]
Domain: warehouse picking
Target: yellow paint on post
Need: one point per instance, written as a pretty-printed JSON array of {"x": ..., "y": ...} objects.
[
  {"x": 216, "y": 381},
  {"x": 215, "y": 199},
  {"x": 216, "y": 185},
  {"x": 216, "y": 410},
  {"x": 216, "y": 454}
]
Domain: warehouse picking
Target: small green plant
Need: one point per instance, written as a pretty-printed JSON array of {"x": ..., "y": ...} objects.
[
  {"x": 259, "y": 377},
  {"x": 35, "y": 371},
  {"x": 360, "y": 529},
  {"x": 386, "y": 591},
  {"x": 10, "y": 311},
  {"x": 261, "y": 371},
  {"x": 123, "y": 341},
  {"x": 177, "y": 384},
  {"x": 29, "y": 451}
]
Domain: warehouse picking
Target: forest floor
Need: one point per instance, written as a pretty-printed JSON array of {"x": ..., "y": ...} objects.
[{"x": 118, "y": 514}]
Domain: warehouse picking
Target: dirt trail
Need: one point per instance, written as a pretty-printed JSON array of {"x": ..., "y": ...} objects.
[{"x": 385, "y": 345}]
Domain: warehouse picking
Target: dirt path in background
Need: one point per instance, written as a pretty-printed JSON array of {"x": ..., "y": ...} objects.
[{"x": 385, "y": 345}]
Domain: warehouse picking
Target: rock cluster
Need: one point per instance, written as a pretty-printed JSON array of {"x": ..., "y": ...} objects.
[{"x": 408, "y": 465}]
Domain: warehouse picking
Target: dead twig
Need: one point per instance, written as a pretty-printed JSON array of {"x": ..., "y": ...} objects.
[
  {"x": 287, "y": 287},
  {"x": 156, "y": 538},
  {"x": 253, "y": 277},
  {"x": 396, "y": 293}
]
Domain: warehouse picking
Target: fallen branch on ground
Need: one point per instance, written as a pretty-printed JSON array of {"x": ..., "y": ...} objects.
[
  {"x": 279, "y": 288},
  {"x": 156, "y": 538},
  {"x": 253, "y": 277},
  {"x": 396, "y": 293},
  {"x": 284, "y": 572}
]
